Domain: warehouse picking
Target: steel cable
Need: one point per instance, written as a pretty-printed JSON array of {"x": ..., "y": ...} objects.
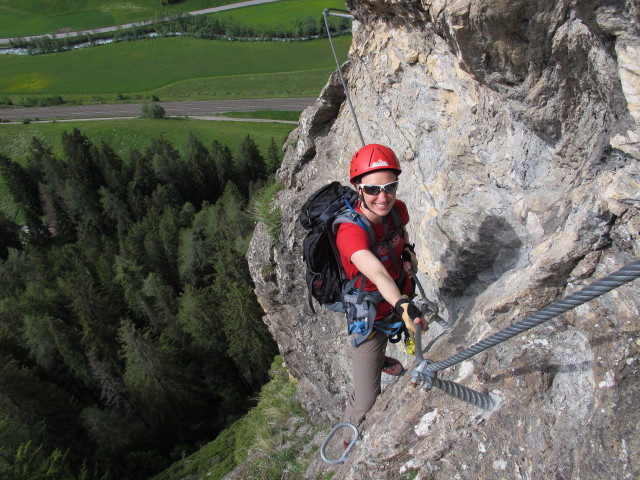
[
  {"x": 345, "y": 14},
  {"x": 599, "y": 287},
  {"x": 466, "y": 394}
]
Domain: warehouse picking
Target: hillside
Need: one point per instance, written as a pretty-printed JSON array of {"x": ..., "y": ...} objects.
[{"x": 517, "y": 125}]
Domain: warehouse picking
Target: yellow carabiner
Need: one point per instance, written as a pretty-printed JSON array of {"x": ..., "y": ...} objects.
[{"x": 410, "y": 345}]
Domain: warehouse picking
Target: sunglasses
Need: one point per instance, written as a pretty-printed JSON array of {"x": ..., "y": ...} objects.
[{"x": 389, "y": 188}]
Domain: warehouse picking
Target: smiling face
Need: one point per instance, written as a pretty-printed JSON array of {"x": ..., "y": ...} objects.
[{"x": 378, "y": 205}]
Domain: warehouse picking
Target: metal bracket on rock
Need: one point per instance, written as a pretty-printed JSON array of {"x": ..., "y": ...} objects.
[
  {"x": 344, "y": 455},
  {"x": 429, "y": 309},
  {"x": 425, "y": 377}
]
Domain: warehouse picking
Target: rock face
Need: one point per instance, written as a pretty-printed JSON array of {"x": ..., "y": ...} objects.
[{"x": 517, "y": 124}]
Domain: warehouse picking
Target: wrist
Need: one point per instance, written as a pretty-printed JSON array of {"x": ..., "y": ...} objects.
[{"x": 401, "y": 301}]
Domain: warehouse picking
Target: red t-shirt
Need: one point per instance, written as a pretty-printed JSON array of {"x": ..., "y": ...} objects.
[{"x": 352, "y": 238}]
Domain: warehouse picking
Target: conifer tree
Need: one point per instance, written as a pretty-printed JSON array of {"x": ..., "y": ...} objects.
[
  {"x": 197, "y": 244},
  {"x": 168, "y": 166},
  {"x": 236, "y": 220},
  {"x": 223, "y": 160},
  {"x": 248, "y": 165},
  {"x": 81, "y": 161},
  {"x": 154, "y": 375},
  {"x": 249, "y": 343},
  {"x": 9, "y": 237},
  {"x": 22, "y": 187},
  {"x": 142, "y": 182},
  {"x": 203, "y": 173},
  {"x": 112, "y": 171},
  {"x": 116, "y": 210},
  {"x": 273, "y": 158}
]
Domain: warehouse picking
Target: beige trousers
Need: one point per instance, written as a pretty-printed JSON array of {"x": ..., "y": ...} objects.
[{"x": 366, "y": 368}]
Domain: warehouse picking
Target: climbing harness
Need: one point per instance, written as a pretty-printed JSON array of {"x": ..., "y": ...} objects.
[
  {"x": 344, "y": 455},
  {"x": 425, "y": 373},
  {"x": 334, "y": 12}
]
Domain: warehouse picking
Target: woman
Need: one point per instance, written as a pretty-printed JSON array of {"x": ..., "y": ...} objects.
[{"x": 374, "y": 174}]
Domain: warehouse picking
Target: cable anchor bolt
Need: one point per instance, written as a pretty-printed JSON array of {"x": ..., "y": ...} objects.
[{"x": 421, "y": 376}]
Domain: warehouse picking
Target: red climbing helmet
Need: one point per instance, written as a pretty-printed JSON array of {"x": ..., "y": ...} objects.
[{"x": 373, "y": 157}]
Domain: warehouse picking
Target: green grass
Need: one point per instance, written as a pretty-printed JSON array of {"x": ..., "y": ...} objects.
[
  {"x": 35, "y": 17},
  {"x": 262, "y": 209},
  {"x": 123, "y": 135},
  {"x": 277, "y": 14},
  {"x": 307, "y": 83},
  {"x": 174, "y": 66}
]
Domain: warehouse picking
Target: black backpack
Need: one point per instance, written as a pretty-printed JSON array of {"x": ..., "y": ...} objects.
[
  {"x": 327, "y": 282},
  {"x": 320, "y": 216},
  {"x": 324, "y": 274}
]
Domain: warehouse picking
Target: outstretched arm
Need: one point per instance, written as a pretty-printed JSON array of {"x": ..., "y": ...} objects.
[{"x": 369, "y": 265}]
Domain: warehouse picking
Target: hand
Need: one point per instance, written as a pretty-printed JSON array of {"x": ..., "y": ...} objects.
[
  {"x": 410, "y": 314},
  {"x": 409, "y": 258}
]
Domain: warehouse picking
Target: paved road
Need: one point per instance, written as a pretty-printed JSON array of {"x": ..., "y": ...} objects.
[
  {"x": 201, "y": 109},
  {"x": 5, "y": 41}
]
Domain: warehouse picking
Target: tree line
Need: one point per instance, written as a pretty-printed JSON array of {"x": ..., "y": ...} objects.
[
  {"x": 129, "y": 331},
  {"x": 197, "y": 26}
]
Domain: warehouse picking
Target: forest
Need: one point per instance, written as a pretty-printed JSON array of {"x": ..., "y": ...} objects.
[{"x": 130, "y": 334}]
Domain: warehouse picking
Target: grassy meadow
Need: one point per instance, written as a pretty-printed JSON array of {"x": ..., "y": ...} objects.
[
  {"x": 172, "y": 69},
  {"x": 36, "y": 17},
  {"x": 175, "y": 68},
  {"x": 124, "y": 135},
  {"x": 282, "y": 14}
]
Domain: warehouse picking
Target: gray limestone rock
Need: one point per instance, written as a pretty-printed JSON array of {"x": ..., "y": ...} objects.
[{"x": 517, "y": 125}]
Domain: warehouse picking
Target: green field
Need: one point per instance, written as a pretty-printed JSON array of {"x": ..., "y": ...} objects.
[
  {"x": 123, "y": 135},
  {"x": 35, "y": 17},
  {"x": 281, "y": 14},
  {"x": 174, "y": 67}
]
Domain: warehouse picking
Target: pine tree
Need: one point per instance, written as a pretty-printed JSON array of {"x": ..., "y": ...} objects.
[
  {"x": 168, "y": 167},
  {"x": 273, "y": 158},
  {"x": 9, "y": 237},
  {"x": 223, "y": 160},
  {"x": 237, "y": 223},
  {"x": 112, "y": 171},
  {"x": 249, "y": 342},
  {"x": 33, "y": 408},
  {"x": 248, "y": 165},
  {"x": 24, "y": 191},
  {"x": 142, "y": 183},
  {"x": 198, "y": 317},
  {"x": 115, "y": 209},
  {"x": 82, "y": 163},
  {"x": 197, "y": 244},
  {"x": 154, "y": 375},
  {"x": 21, "y": 186},
  {"x": 202, "y": 173}
]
